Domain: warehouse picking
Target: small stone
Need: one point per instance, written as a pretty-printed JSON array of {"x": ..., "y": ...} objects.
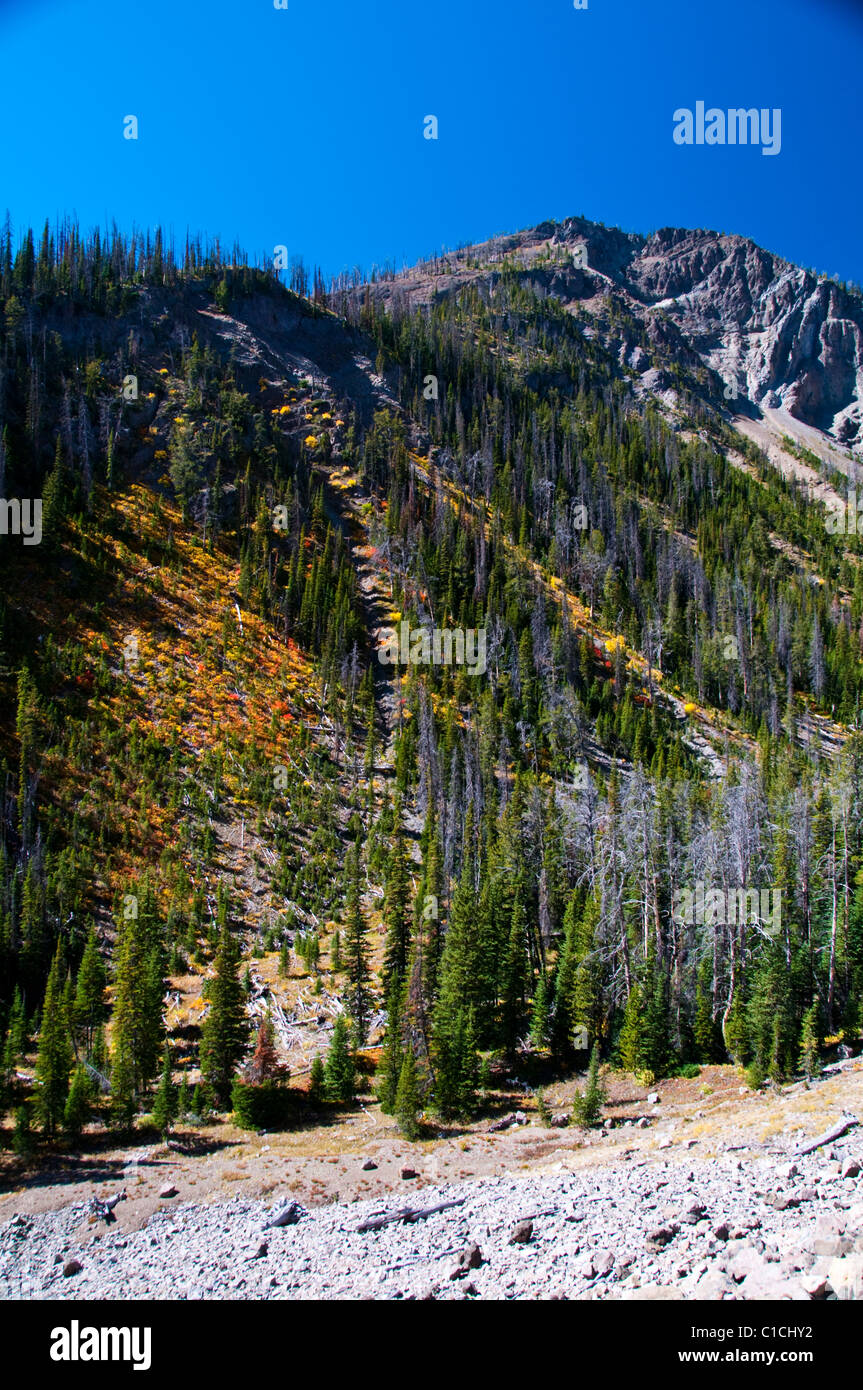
[
  {"x": 470, "y": 1258},
  {"x": 643, "y": 1123},
  {"x": 832, "y": 1246},
  {"x": 694, "y": 1213},
  {"x": 653, "y": 1098},
  {"x": 722, "y": 1231},
  {"x": 846, "y": 1278},
  {"x": 815, "y": 1285},
  {"x": 787, "y": 1172},
  {"x": 169, "y": 1190},
  {"x": 407, "y": 1173},
  {"x": 603, "y": 1262},
  {"x": 850, "y": 1168},
  {"x": 72, "y": 1267},
  {"x": 368, "y": 1165},
  {"x": 521, "y": 1233},
  {"x": 665, "y": 1143},
  {"x": 661, "y": 1236}
]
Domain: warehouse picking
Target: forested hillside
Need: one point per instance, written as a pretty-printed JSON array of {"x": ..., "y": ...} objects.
[{"x": 252, "y": 847}]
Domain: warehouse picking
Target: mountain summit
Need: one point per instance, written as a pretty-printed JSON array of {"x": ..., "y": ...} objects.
[{"x": 770, "y": 334}]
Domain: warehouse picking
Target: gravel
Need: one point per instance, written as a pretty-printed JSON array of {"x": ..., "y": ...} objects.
[{"x": 723, "y": 1228}]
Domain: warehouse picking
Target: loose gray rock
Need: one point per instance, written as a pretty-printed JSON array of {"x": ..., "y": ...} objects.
[
  {"x": 470, "y": 1258},
  {"x": 288, "y": 1216},
  {"x": 846, "y": 1278},
  {"x": 661, "y": 1236}
]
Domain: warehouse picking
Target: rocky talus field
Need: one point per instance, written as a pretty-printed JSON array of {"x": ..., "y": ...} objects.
[{"x": 700, "y": 1197}]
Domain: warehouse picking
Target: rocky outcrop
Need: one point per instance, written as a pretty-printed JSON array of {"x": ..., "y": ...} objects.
[{"x": 773, "y": 332}]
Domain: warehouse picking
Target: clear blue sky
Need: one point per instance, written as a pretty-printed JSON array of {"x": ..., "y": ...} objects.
[{"x": 305, "y": 126}]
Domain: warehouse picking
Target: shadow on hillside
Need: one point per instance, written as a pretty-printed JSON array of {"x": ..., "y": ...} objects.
[{"x": 98, "y": 1160}]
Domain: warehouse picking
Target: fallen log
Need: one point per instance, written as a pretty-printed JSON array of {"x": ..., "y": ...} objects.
[
  {"x": 847, "y": 1122},
  {"x": 104, "y": 1207},
  {"x": 833, "y": 1067},
  {"x": 288, "y": 1216},
  {"x": 407, "y": 1214},
  {"x": 99, "y": 1077}
]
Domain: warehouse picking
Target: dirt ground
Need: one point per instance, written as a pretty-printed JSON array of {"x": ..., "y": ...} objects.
[{"x": 322, "y": 1162}]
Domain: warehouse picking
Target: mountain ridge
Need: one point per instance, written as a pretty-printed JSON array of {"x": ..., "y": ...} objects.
[{"x": 768, "y": 330}]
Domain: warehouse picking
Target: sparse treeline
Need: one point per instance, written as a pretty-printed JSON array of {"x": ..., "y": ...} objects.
[{"x": 667, "y": 541}]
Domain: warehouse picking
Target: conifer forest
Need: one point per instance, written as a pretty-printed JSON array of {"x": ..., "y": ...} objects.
[{"x": 248, "y": 865}]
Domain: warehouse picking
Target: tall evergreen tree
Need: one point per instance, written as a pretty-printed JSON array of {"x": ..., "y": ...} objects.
[
  {"x": 407, "y": 1102},
  {"x": 165, "y": 1103},
  {"x": 225, "y": 1031},
  {"x": 54, "y": 1057},
  {"x": 396, "y": 911},
  {"x": 356, "y": 953},
  {"x": 339, "y": 1068},
  {"x": 89, "y": 1006},
  {"x": 393, "y": 1049}
]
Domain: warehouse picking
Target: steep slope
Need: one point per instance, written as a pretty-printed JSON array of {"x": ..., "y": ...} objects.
[
  {"x": 770, "y": 334},
  {"x": 245, "y": 492}
]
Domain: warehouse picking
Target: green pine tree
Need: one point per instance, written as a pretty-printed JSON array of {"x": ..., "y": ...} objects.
[
  {"x": 138, "y": 1027},
  {"x": 226, "y": 1031},
  {"x": 810, "y": 1042},
  {"x": 183, "y": 1101},
  {"x": 317, "y": 1079},
  {"x": 456, "y": 1066},
  {"x": 54, "y": 1057},
  {"x": 587, "y": 1106},
  {"x": 89, "y": 1007},
  {"x": 393, "y": 1051},
  {"x": 76, "y": 1112},
  {"x": 629, "y": 1042},
  {"x": 407, "y": 1101},
  {"x": 705, "y": 1029},
  {"x": 357, "y": 953},
  {"x": 539, "y": 1020},
  {"x": 165, "y": 1103},
  {"x": 339, "y": 1069},
  {"x": 515, "y": 970},
  {"x": 396, "y": 910}
]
